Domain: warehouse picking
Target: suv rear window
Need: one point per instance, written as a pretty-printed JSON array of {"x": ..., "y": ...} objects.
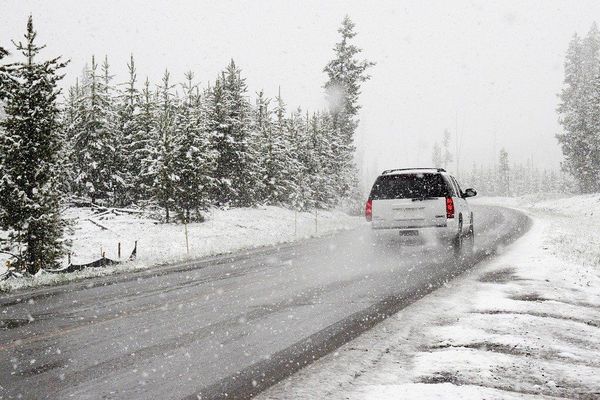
[{"x": 409, "y": 186}]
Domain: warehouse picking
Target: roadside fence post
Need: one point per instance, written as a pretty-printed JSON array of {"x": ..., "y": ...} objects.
[
  {"x": 295, "y": 223},
  {"x": 187, "y": 245}
]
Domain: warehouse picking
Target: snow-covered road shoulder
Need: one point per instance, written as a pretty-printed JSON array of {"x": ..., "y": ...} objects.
[
  {"x": 523, "y": 325},
  {"x": 224, "y": 231}
]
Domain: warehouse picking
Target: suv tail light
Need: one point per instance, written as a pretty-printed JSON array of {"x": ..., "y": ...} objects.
[
  {"x": 449, "y": 207},
  {"x": 369, "y": 210}
]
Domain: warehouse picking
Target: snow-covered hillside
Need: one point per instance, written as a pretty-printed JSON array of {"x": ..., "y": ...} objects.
[
  {"x": 523, "y": 325},
  {"x": 158, "y": 243}
]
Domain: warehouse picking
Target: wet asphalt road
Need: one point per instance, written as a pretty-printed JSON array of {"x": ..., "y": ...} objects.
[{"x": 222, "y": 326}]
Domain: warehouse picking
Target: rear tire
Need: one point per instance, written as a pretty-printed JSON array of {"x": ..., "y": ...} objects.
[
  {"x": 458, "y": 245},
  {"x": 469, "y": 242}
]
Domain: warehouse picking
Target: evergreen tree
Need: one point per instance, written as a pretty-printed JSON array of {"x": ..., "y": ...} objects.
[
  {"x": 237, "y": 169},
  {"x": 162, "y": 166},
  {"x": 194, "y": 159},
  {"x": 579, "y": 111},
  {"x": 503, "y": 185},
  {"x": 345, "y": 73},
  {"x": 116, "y": 162},
  {"x": 277, "y": 161},
  {"x": 30, "y": 152},
  {"x": 446, "y": 156},
  {"x": 270, "y": 151},
  {"x": 70, "y": 125},
  {"x": 313, "y": 162},
  {"x": 143, "y": 145},
  {"x": 288, "y": 182},
  {"x": 93, "y": 141},
  {"x": 303, "y": 198},
  {"x": 320, "y": 160},
  {"x": 127, "y": 117},
  {"x": 4, "y": 78},
  {"x": 436, "y": 156},
  {"x": 546, "y": 185},
  {"x": 518, "y": 179},
  {"x": 215, "y": 122},
  {"x": 591, "y": 141},
  {"x": 475, "y": 179}
]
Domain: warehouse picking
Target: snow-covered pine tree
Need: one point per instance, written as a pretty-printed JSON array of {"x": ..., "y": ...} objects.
[
  {"x": 592, "y": 139},
  {"x": 489, "y": 180},
  {"x": 517, "y": 179},
  {"x": 127, "y": 117},
  {"x": 578, "y": 113},
  {"x": 30, "y": 150},
  {"x": 436, "y": 156},
  {"x": 93, "y": 142},
  {"x": 302, "y": 197},
  {"x": 328, "y": 161},
  {"x": 591, "y": 114},
  {"x": 551, "y": 181},
  {"x": 70, "y": 124},
  {"x": 446, "y": 154},
  {"x": 313, "y": 159},
  {"x": 162, "y": 167},
  {"x": 194, "y": 158},
  {"x": 3, "y": 76},
  {"x": 545, "y": 183},
  {"x": 269, "y": 160},
  {"x": 292, "y": 167},
  {"x": 320, "y": 160},
  {"x": 237, "y": 170},
  {"x": 472, "y": 179},
  {"x": 217, "y": 134},
  {"x": 503, "y": 185},
  {"x": 345, "y": 73},
  {"x": 70, "y": 114},
  {"x": 143, "y": 145},
  {"x": 276, "y": 158},
  {"x": 536, "y": 180},
  {"x": 116, "y": 165}
]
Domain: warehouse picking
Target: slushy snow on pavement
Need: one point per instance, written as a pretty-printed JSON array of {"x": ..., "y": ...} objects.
[
  {"x": 525, "y": 325},
  {"x": 224, "y": 231}
]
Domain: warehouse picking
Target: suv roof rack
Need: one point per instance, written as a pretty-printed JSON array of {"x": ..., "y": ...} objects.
[{"x": 387, "y": 171}]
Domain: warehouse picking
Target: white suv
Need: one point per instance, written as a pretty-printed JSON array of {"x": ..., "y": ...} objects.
[{"x": 420, "y": 201}]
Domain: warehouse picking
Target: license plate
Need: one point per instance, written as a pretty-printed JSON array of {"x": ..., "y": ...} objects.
[{"x": 409, "y": 233}]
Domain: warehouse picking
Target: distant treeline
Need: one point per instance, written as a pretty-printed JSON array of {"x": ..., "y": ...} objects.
[
  {"x": 517, "y": 180},
  {"x": 503, "y": 178}
]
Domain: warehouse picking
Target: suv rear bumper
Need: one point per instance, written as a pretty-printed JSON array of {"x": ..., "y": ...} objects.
[{"x": 449, "y": 228}]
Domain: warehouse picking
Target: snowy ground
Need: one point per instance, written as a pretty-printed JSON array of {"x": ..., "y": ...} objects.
[
  {"x": 524, "y": 325},
  {"x": 158, "y": 243}
]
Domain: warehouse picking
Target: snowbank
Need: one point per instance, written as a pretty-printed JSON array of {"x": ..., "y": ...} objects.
[
  {"x": 158, "y": 243},
  {"x": 524, "y": 325},
  {"x": 575, "y": 223}
]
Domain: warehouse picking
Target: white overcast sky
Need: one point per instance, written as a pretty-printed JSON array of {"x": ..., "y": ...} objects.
[{"x": 492, "y": 69}]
